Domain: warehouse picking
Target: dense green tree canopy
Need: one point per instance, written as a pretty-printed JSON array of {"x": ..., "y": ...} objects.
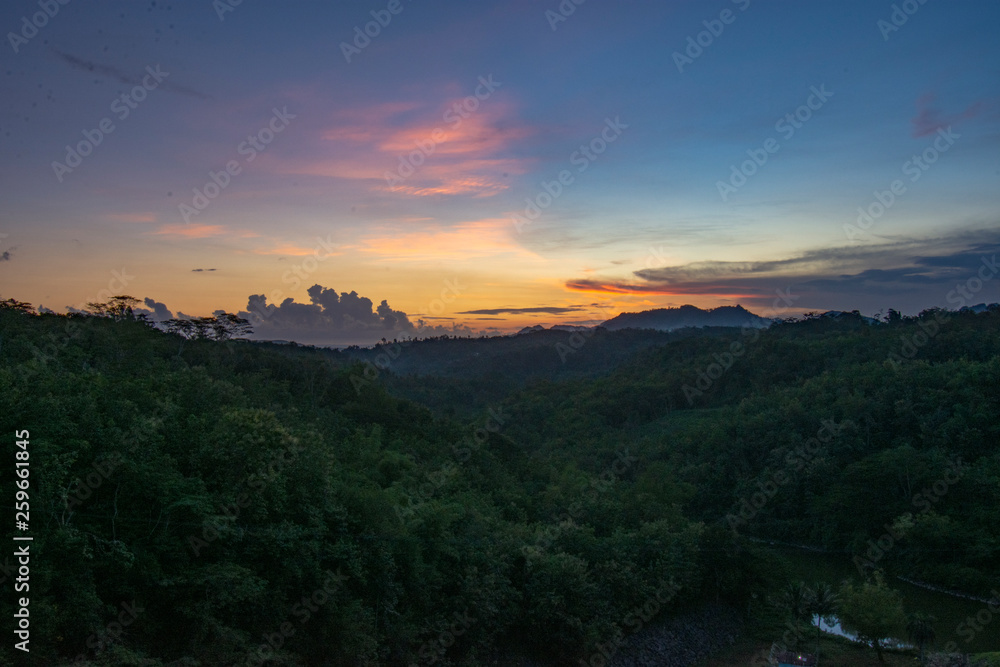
[{"x": 262, "y": 504}]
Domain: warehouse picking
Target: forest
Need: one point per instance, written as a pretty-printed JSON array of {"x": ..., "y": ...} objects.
[{"x": 200, "y": 498}]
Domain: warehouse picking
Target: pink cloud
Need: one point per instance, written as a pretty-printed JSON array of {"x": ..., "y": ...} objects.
[
  {"x": 296, "y": 251},
  {"x": 414, "y": 150},
  {"x": 191, "y": 231},
  {"x": 930, "y": 119}
]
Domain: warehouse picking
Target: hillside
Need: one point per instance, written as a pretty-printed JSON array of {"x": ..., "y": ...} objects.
[{"x": 220, "y": 484}]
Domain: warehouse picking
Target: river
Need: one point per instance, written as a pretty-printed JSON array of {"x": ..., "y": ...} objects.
[{"x": 956, "y": 617}]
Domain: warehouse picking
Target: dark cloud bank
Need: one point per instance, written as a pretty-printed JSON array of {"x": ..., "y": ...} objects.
[{"x": 909, "y": 275}]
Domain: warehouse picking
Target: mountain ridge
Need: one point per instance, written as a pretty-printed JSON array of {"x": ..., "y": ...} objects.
[{"x": 668, "y": 319}]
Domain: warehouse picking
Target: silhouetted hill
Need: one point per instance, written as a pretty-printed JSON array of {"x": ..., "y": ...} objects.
[{"x": 668, "y": 319}]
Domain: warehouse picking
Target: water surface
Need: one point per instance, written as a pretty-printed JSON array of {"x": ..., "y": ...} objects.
[{"x": 956, "y": 617}]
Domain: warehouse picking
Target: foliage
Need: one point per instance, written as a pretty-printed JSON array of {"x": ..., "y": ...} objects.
[
  {"x": 872, "y": 611},
  {"x": 19, "y": 306},
  {"x": 218, "y": 482},
  {"x": 117, "y": 307},
  {"x": 221, "y": 327}
]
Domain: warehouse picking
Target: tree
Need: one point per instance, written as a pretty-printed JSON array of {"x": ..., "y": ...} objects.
[
  {"x": 228, "y": 325},
  {"x": 19, "y": 306},
  {"x": 117, "y": 307},
  {"x": 795, "y": 599},
  {"x": 872, "y": 611},
  {"x": 920, "y": 630},
  {"x": 222, "y": 327},
  {"x": 180, "y": 326},
  {"x": 822, "y": 603}
]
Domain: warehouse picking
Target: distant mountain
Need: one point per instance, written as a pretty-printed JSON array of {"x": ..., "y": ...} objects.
[
  {"x": 979, "y": 308},
  {"x": 668, "y": 319},
  {"x": 554, "y": 327}
]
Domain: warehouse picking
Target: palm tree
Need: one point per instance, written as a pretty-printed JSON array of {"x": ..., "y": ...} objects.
[
  {"x": 795, "y": 598},
  {"x": 822, "y": 603},
  {"x": 920, "y": 630}
]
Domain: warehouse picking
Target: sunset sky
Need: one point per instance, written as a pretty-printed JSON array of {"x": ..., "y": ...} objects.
[{"x": 489, "y": 104}]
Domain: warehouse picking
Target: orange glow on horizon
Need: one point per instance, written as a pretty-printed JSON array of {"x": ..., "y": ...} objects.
[
  {"x": 470, "y": 240},
  {"x": 297, "y": 251}
]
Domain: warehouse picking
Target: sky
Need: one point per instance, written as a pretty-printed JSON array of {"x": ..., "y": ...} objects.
[{"x": 342, "y": 172}]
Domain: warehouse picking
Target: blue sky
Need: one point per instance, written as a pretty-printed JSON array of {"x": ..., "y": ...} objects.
[{"x": 643, "y": 225}]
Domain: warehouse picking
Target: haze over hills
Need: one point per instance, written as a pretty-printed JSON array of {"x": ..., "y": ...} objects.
[
  {"x": 557, "y": 352},
  {"x": 668, "y": 319}
]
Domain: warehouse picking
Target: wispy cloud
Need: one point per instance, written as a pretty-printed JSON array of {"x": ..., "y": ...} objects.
[
  {"x": 191, "y": 231},
  {"x": 125, "y": 77},
  {"x": 292, "y": 250},
  {"x": 910, "y": 273},
  {"x": 548, "y": 310},
  {"x": 196, "y": 231},
  {"x": 426, "y": 151},
  {"x": 624, "y": 287},
  {"x": 930, "y": 118}
]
